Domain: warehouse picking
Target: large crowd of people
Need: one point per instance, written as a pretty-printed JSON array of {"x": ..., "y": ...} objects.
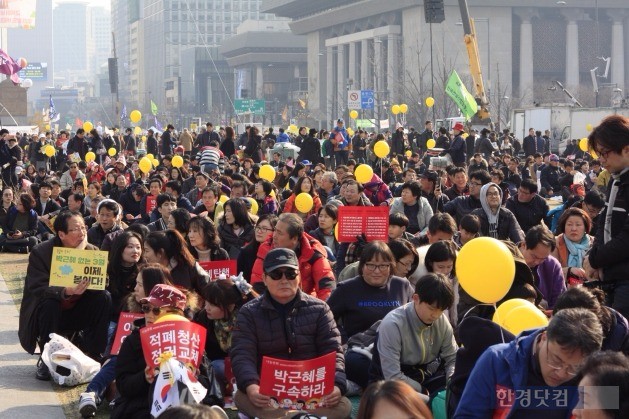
[{"x": 401, "y": 326}]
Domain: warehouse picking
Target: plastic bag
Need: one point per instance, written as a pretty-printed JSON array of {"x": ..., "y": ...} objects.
[{"x": 68, "y": 365}]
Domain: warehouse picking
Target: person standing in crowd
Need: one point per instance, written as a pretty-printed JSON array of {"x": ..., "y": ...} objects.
[
  {"x": 458, "y": 147},
  {"x": 314, "y": 333},
  {"x": 341, "y": 142},
  {"x": 49, "y": 309},
  {"x": 608, "y": 258}
]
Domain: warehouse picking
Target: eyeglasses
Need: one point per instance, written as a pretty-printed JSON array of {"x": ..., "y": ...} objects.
[
  {"x": 261, "y": 229},
  {"x": 372, "y": 267},
  {"x": 572, "y": 371},
  {"x": 277, "y": 274},
  {"x": 407, "y": 265},
  {"x": 82, "y": 228},
  {"x": 475, "y": 184},
  {"x": 604, "y": 154},
  {"x": 493, "y": 193},
  {"x": 148, "y": 309}
]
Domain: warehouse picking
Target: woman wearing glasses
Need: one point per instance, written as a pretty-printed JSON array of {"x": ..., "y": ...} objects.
[
  {"x": 248, "y": 254},
  {"x": 495, "y": 220},
  {"x": 149, "y": 276},
  {"x": 359, "y": 302}
]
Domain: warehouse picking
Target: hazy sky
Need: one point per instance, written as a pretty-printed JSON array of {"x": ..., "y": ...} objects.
[{"x": 102, "y": 3}]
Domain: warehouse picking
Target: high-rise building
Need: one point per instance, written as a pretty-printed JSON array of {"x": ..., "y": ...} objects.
[
  {"x": 166, "y": 29},
  {"x": 100, "y": 33},
  {"x": 74, "y": 46}
]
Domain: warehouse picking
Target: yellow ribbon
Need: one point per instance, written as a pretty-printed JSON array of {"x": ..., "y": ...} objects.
[{"x": 164, "y": 356}]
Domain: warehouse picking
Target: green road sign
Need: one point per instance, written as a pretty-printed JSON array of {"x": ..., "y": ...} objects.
[{"x": 253, "y": 106}]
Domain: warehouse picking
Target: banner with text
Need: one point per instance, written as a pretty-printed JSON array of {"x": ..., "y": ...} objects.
[
  {"x": 215, "y": 268},
  {"x": 17, "y": 13},
  {"x": 298, "y": 385},
  {"x": 125, "y": 326},
  {"x": 353, "y": 221},
  {"x": 70, "y": 266},
  {"x": 184, "y": 340}
]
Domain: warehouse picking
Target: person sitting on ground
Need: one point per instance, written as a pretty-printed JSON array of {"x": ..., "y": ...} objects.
[
  {"x": 392, "y": 399},
  {"x": 549, "y": 356},
  {"x": 401, "y": 351},
  {"x": 469, "y": 229},
  {"x": 108, "y": 221},
  {"x": 19, "y": 231},
  {"x": 165, "y": 204},
  {"x": 203, "y": 240},
  {"x": 261, "y": 331},
  {"x": 414, "y": 206},
  {"x": 573, "y": 243},
  {"x": 495, "y": 220},
  {"x": 49, "y": 309}
]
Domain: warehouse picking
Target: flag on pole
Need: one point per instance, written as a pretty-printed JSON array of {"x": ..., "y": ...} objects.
[
  {"x": 285, "y": 114},
  {"x": 9, "y": 67},
  {"x": 153, "y": 108},
  {"x": 123, "y": 114},
  {"x": 459, "y": 94},
  {"x": 302, "y": 104},
  {"x": 158, "y": 125},
  {"x": 53, "y": 116},
  {"x": 78, "y": 122}
]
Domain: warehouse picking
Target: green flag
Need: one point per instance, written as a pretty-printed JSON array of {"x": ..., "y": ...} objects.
[
  {"x": 153, "y": 108},
  {"x": 459, "y": 94}
]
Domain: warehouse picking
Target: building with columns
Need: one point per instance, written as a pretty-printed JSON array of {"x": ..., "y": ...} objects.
[{"x": 386, "y": 47}]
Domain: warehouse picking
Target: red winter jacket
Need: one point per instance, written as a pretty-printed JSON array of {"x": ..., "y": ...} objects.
[{"x": 317, "y": 276}]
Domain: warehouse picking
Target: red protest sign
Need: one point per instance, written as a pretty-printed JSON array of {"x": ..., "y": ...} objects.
[
  {"x": 373, "y": 221},
  {"x": 125, "y": 325},
  {"x": 215, "y": 268},
  {"x": 151, "y": 203},
  {"x": 184, "y": 339},
  {"x": 297, "y": 384}
]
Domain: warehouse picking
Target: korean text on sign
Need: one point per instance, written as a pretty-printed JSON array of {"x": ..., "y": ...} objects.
[
  {"x": 183, "y": 339},
  {"x": 215, "y": 269},
  {"x": 297, "y": 384},
  {"x": 125, "y": 325},
  {"x": 71, "y": 266},
  {"x": 353, "y": 221}
]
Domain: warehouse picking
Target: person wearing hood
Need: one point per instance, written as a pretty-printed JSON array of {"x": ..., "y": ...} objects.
[{"x": 495, "y": 220}]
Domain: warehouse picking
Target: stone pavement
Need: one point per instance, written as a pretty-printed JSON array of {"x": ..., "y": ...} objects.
[{"x": 21, "y": 395}]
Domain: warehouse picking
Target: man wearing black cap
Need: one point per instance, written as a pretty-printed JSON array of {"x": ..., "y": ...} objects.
[
  {"x": 549, "y": 177},
  {"x": 289, "y": 324}
]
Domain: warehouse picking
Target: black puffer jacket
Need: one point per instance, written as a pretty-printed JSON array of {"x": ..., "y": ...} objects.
[
  {"x": 309, "y": 331},
  {"x": 231, "y": 242},
  {"x": 529, "y": 214}
]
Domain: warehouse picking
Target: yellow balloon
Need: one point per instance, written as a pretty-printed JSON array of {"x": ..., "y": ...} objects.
[
  {"x": 49, "y": 151},
  {"x": 155, "y": 162},
  {"x": 304, "y": 202},
  {"x": 363, "y": 173},
  {"x": 408, "y": 153},
  {"x": 593, "y": 154},
  {"x": 486, "y": 282},
  {"x": 381, "y": 149},
  {"x": 350, "y": 132},
  {"x": 353, "y": 114},
  {"x": 177, "y": 161},
  {"x": 112, "y": 152},
  {"x": 430, "y": 101},
  {"x": 47, "y": 127},
  {"x": 145, "y": 165},
  {"x": 88, "y": 126},
  {"x": 431, "y": 143},
  {"x": 223, "y": 199},
  {"x": 524, "y": 318},
  {"x": 254, "y": 206},
  {"x": 137, "y": 130},
  {"x": 503, "y": 309},
  {"x": 336, "y": 231},
  {"x": 150, "y": 156},
  {"x": 144, "y": 138},
  {"x": 90, "y": 156},
  {"x": 589, "y": 127},
  {"x": 403, "y": 108},
  {"x": 292, "y": 128},
  {"x": 267, "y": 172},
  {"x": 583, "y": 144},
  {"x": 395, "y": 109},
  {"x": 135, "y": 116}
]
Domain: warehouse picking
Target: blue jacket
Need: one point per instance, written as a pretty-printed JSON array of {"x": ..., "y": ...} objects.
[
  {"x": 346, "y": 140},
  {"x": 283, "y": 138},
  {"x": 504, "y": 365}
]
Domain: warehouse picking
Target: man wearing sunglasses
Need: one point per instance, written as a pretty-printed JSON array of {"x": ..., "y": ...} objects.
[
  {"x": 536, "y": 365},
  {"x": 289, "y": 324}
]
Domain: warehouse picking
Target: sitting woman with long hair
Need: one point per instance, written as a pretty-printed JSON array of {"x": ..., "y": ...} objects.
[
  {"x": 169, "y": 249},
  {"x": 247, "y": 257},
  {"x": 235, "y": 227},
  {"x": 19, "y": 233},
  {"x": 204, "y": 243},
  {"x": 304, "y": 185},
  {"x": 223, "y": 299}
]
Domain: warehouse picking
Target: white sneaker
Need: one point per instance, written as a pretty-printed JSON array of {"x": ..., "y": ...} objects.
[{"x": 87, "y": 404}]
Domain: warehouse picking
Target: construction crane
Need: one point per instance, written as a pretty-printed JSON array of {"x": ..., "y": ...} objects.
[{"x": 483, "y": 116}]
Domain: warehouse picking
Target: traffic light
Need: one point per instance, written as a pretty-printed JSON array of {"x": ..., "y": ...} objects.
[{"x": 433, "y": 11}]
